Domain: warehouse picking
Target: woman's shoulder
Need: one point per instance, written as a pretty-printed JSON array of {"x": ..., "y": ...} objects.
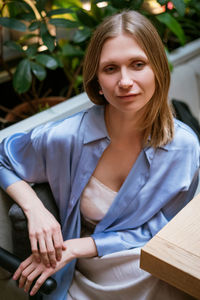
[
  {"x": 68, "y": 124},
  {"x": 184, "y": 137},
  {"x": 73, "y": 126}
]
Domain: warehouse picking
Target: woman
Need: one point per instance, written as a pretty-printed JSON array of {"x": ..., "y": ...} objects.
[{"x": 118, "y": 171}]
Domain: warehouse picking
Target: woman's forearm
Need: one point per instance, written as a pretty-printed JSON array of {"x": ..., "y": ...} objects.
[
  {"x": 82, "y": 247},
  {"x": 22, "y": 193}
]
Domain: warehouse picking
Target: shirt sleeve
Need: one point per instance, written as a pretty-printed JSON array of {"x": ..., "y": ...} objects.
[
  {"x": 114, "y": 241},
  {"x": 22, "y": 158}
]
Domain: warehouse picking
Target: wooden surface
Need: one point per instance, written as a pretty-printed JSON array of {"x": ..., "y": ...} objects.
[{"x": 173, "y": 255}]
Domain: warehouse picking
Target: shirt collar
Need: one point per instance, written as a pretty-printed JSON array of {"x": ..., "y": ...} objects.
[{"x": 95, "y": 128}]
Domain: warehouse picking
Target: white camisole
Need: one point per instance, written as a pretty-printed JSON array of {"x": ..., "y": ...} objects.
[{"x": 96, "y": 200}]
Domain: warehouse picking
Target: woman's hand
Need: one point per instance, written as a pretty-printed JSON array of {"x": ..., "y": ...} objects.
[
  {"x": 45, "y": 236},
  {"x": 30, "y": 269},
  {"x": 44, "y": 230}
]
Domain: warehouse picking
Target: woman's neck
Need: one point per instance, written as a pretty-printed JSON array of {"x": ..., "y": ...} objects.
[{"x": 122, "y": 126}]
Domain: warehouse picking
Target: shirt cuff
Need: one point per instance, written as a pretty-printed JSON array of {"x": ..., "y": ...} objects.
[
  {"x": 110, "y": 242},
  {"x": 7, "y": 178}
]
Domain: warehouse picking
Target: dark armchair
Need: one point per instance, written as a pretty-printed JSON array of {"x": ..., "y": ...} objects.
[{"x": 14, "y": 239}]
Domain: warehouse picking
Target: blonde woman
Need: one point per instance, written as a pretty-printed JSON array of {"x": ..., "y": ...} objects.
[{"x": 118, "y": 171}]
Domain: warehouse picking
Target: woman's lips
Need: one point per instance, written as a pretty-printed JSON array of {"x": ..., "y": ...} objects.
[{"x": 128, "y": 96}]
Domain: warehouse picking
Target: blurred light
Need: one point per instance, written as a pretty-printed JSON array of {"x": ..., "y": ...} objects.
[
  {"x": 102, "y": 4},
  {"x": 170, "y": 5},
  {"x": 43, "y": 13},
  {"x": 42, "y": 48},
  {"x": 153, "y": 6},
  {"x": 87, "y": 5},
  {"x": 25, "y": 47}
]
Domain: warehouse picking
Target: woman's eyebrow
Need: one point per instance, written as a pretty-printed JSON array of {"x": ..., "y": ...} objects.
[{"x": 115, "y": 62}]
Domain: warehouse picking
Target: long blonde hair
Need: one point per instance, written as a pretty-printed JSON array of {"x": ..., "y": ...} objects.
[{"x": 157, "y": 120}]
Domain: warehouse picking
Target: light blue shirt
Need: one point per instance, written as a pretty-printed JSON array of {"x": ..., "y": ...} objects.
[{"x": 161, "y": 182}]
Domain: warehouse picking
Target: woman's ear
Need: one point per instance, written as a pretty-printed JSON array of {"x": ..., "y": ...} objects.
[{"x": 100, "y": 92}]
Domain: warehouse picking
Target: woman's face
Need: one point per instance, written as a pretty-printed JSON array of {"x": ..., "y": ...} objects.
[{"x": 126, "y": 79}]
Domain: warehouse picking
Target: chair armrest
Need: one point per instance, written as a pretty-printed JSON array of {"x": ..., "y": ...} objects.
[
  {"x": 10, "y": 262},
  {"x": 18, "y": 242}
]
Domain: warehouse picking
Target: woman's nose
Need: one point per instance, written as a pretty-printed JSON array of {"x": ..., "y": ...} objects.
[{"x": 125, "y": 80}]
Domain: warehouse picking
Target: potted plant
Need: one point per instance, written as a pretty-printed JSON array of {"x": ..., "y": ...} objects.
[
  {"x": 38, "y": 50},
  {"x": 66, "y": 52}
]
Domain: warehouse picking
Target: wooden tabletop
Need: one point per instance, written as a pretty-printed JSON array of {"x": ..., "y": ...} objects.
[{"x": 173, "y": 255}]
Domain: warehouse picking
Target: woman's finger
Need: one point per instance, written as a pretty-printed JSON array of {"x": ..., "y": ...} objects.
[
  {"x": 39, "y": 282},
  {"x": 34, "y": 273},
  {"x": 34, "y": 248},
  {"x": 24, "y": 275},
  {"x": 21, "y": 267},
  {"x": 58, "y": 244},
  {"x": 51, "y": 250},
  {"x": 43, "y": 251}
]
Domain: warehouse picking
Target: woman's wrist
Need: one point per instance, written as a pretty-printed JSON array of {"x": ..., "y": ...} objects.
[
  {"x": 33, "y": 206},
  {"x": 81, "y": 247}
]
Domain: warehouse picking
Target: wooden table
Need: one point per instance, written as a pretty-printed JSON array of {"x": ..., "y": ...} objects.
[{"x": 173, "y": 255}]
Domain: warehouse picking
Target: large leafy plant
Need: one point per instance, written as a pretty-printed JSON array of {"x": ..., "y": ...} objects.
[
  {"x": 40, "y": 22},
  {"x": 32, "y": 20}
]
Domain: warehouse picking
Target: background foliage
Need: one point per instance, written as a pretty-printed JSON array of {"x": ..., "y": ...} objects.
[{"x": 55, "y": 34}]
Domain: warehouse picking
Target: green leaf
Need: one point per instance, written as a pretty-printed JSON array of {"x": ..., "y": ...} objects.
[
  {"x": 26, "y": 37},
  {"x": 49, "y": 41},
  {"x": 136, "y": 4},
  {"x": 17, "y": 8},
  {"x": 58, "y": 22},
  {"x": 47, "y": 38},
  {"x": 59, "y": 11},
  {"x": 41, "y": 4},
  {"x": 109, "y": 10},
  {"x": 59, "y": 57},
  {"x": 68, "y": 3},
  {"x": 12, "y": 23},
  {"x": 32, "y": 50},
  {"x": 82, "y": 35},
  {"x": 96, "y": 12},
  {"x": 34, "y": 25},
  {"x": 70, "y": 50},
  {"x": 79, "y": 80},
  {"x": 14, "y": 45},
  {"x": 180, "y": 6},
  {"x": 173, "y": 25},
  {"x": 86, "y": 19},
  {"x": 38, "y": 70},
  {"x": 120, "y": 4},
  {"x": 22, "y": 77},
  {"x": 47, "y": 61},
  {"x": 162, "y": 2},
  {"x": 26, "y": 16}
]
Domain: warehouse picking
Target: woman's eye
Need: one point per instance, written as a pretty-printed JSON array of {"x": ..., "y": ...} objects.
[
  {"x": 109, "y": 69},
  {"x": 138, "y": 65}
]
